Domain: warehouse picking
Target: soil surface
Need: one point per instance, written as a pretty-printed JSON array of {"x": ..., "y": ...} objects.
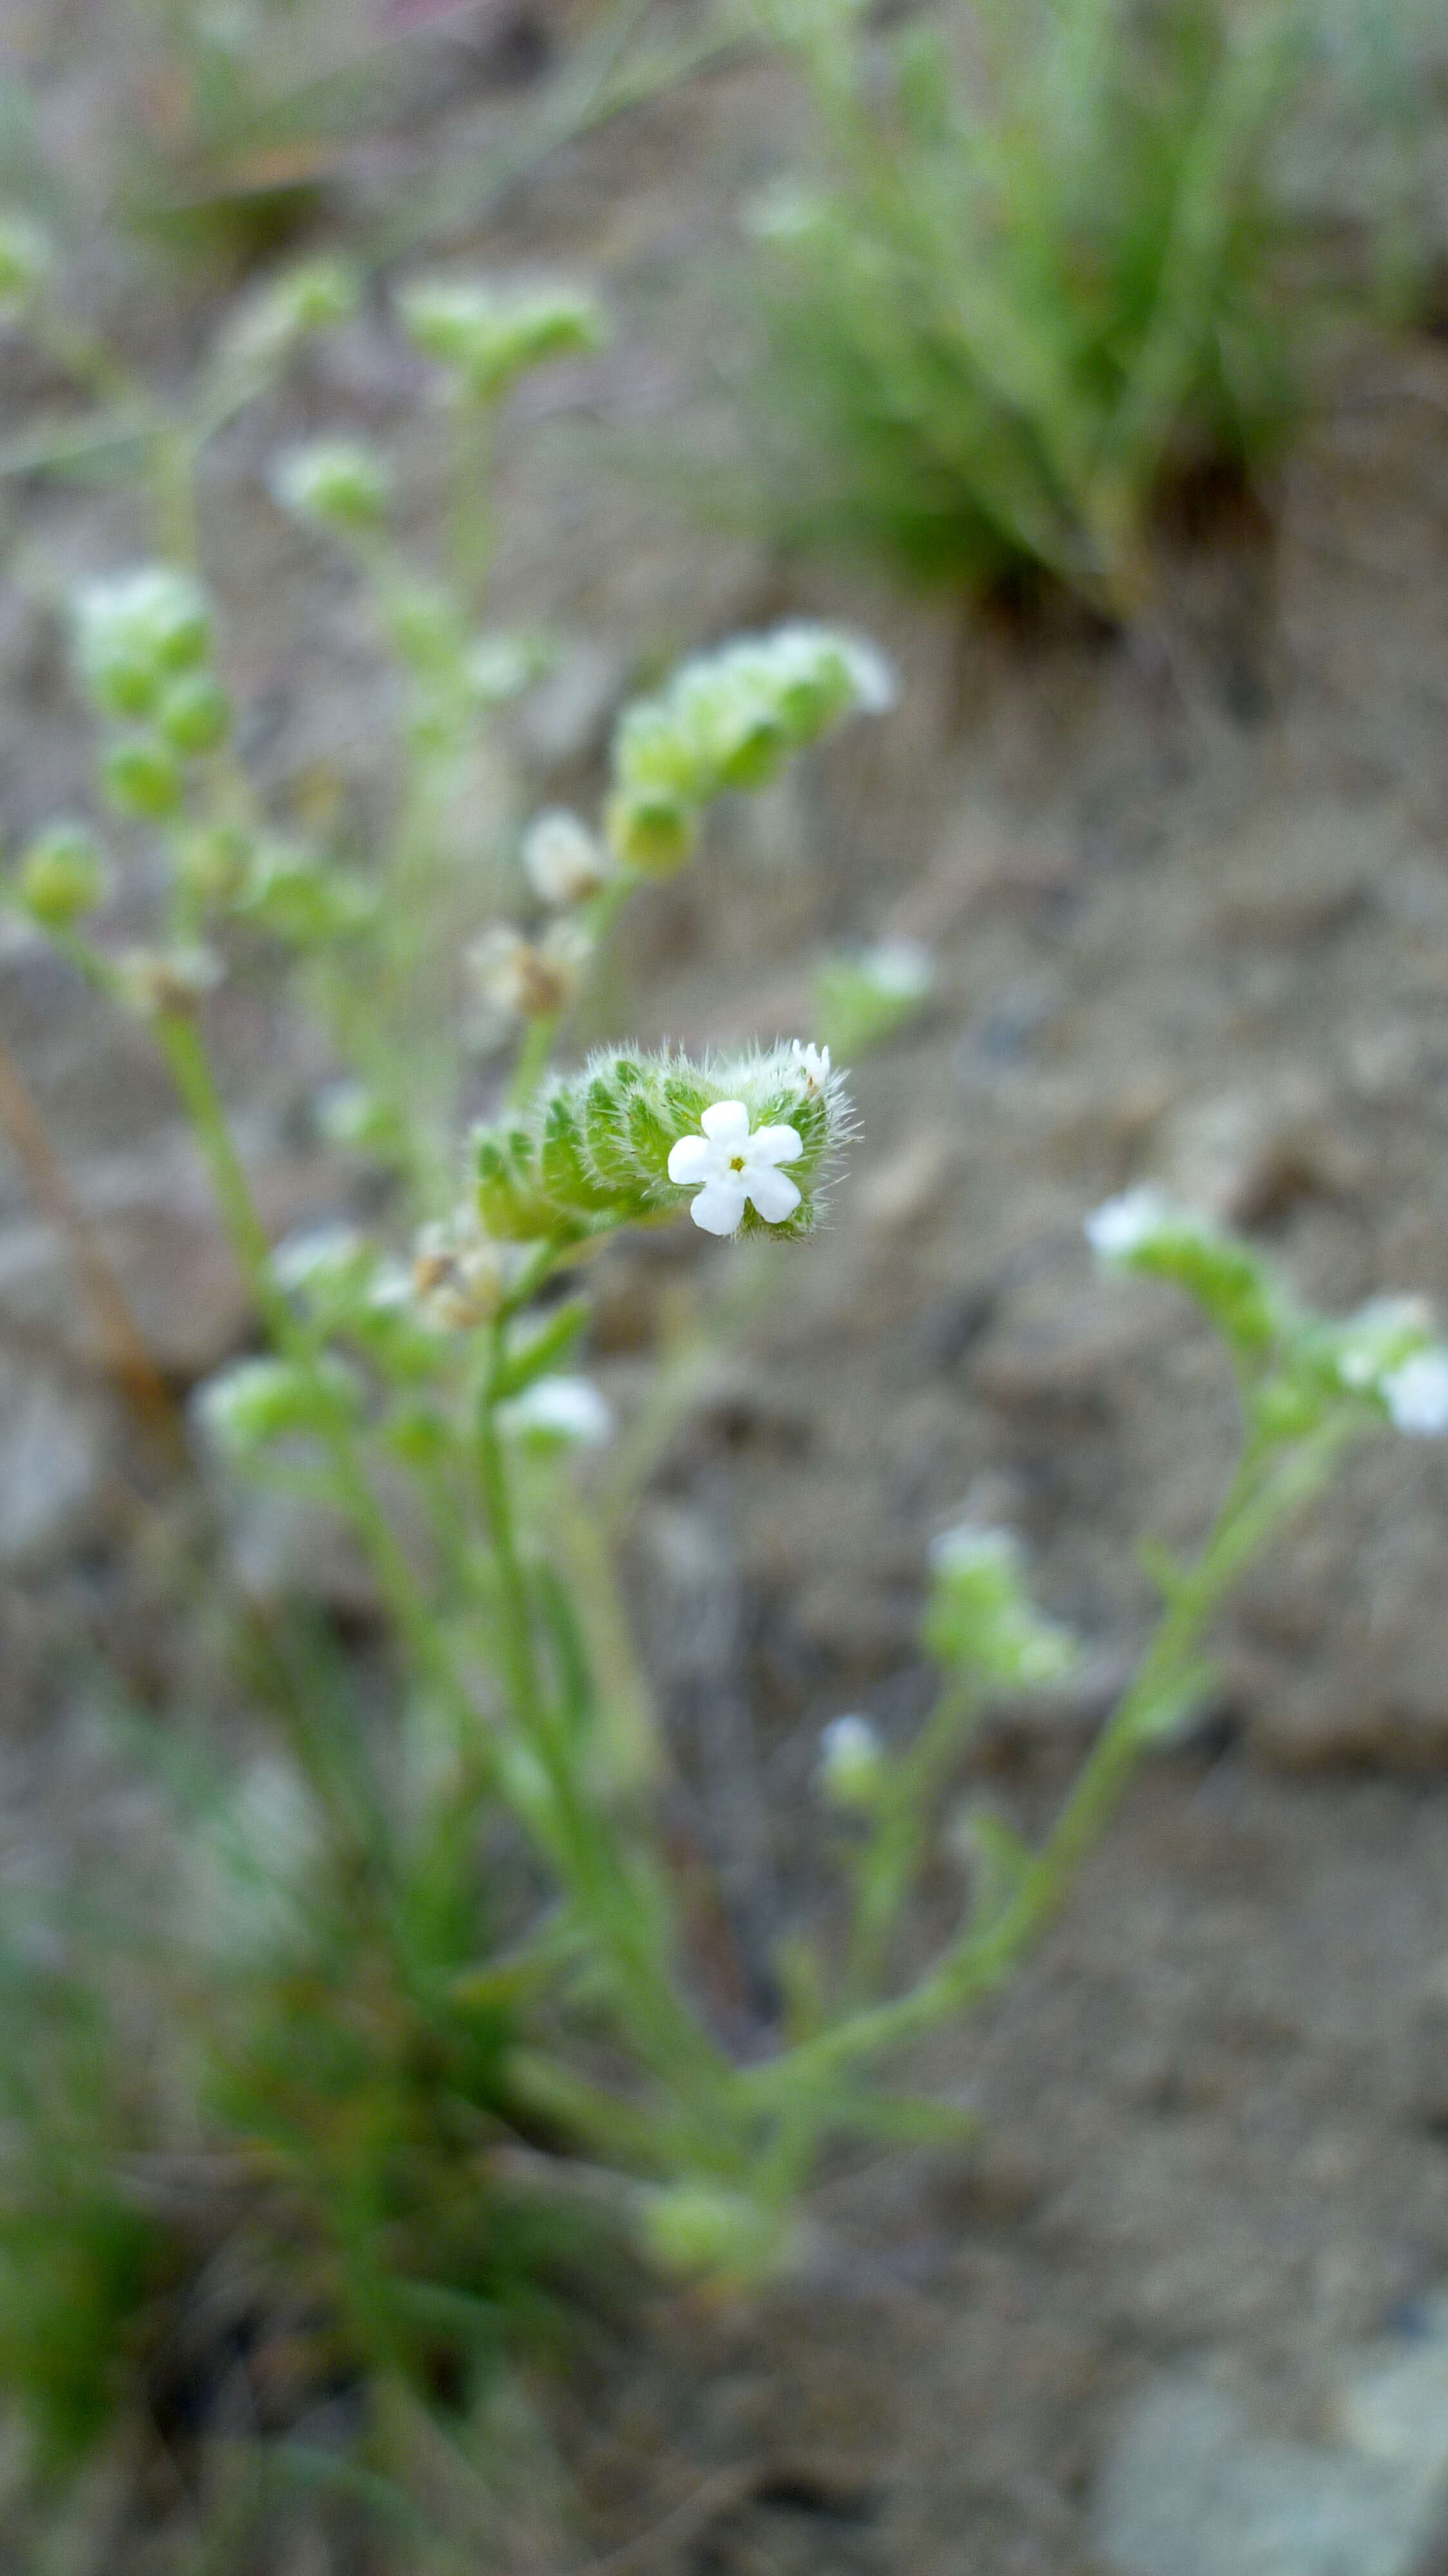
[{"x": 1187, "y": 900}]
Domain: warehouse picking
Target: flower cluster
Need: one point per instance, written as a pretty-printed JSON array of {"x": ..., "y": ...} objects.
[
  {"x": 633, "y": 1136},
  {"x": 980, "y": 1616},
  {"x": 488, "y": 336},
  {"x": 1385, "y": 1356},
  {"x": 730, "y": 720}
]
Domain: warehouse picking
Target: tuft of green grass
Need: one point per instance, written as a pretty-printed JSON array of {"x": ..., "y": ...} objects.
[{"x": 1038, "y": 278}]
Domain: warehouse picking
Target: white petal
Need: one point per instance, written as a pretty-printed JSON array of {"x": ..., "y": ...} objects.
[
  {"x": 719, "y": 1206},
  {"x": 691, "y": 1160},
  {"x": 726, "y": 1121},
  {"x": 773, "y": 1193},
  {"x": 775, "y": 1145}
]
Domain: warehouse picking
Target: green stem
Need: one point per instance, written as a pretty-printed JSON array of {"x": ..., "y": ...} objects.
[
  {"x": 1266, "y": 1488},
  {"x": 180, "y": 1042}
]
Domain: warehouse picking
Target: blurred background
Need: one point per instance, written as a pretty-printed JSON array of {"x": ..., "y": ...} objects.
[{"x": 1095, "y": 363}]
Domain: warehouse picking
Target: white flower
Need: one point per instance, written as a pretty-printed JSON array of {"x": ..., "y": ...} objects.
[
  {"x": 1121, "y": 1226},
  {"x": 812, "y": 1063},
  {"x": 732, "y": 1170},
  {"x": 564, "y": 862},
  {"x": 898, "y": 969},
  {"x": 1416, "y": 1394},
  {"x": 850, "y": 1761},
  {"x": 568, "y": 1410}
]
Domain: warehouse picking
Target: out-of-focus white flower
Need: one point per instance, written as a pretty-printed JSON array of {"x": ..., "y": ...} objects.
[
  {"x": 531, "y": 978},
  {"x": 1416, "y": 1394},
  {"x": 1122, "y": 1225},
  {"x": 568, "y": 1411},
  {"x": 563, "y": 861},
  {"x": 460, "y": 1277},
  {"x": 730, "y": 1169},
  {"x": 851, "y": 1761}
]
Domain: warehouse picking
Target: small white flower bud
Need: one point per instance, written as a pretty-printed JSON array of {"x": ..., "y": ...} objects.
[
  {"x": 1122, "y": 1226},
  {"x": 563, "y": 861},
  {"x": 852, "y": 1764}
]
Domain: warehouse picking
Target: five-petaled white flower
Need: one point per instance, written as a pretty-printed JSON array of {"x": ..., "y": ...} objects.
[{"x": 732, "y": 1170}]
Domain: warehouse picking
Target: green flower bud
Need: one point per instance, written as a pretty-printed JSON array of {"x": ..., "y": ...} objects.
[
  {"x": 134, "y": 629},
  {"x": 698, "y": 2228},
  {"x": 487, "y": 336},
  {"x": 141, "y": 778},
  {"x": 194, "y": 714},
  {"x": 62, "y": 875},
  {"x": 212, "y": 861},
  {"x": 425, "y": 630},
  {"x": 980, "y": 1616},
  {"x": 333, "y": 483},
  {"x": 650, "y": 829},
  {"x": 298, "y": 896},
  {"x": 258, "y": 1401},
  {"x": 27, "y": 256},
  {"x": 263, "y": 332}
]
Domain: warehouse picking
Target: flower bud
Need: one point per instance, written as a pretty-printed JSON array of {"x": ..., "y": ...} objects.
[
  {"x": 134, "y": 630},
  {"x": 27, "y": 256},
  {"x": 212, "y": 861},
  {"x": 296, "y": 895},
  {"x": 563, "y": 862},
  {"x": 257, "y": 1401},
  {"x": 141, "y": 778},
  {"x": 558, "y": 1413},
  {"x": 487, "y": 336},
  {"x": 650, "y": 829},
  {"x": 265, "y": 329},
  {"x": 852, "y": 1764},
  {"x": 333, "y": 483},
  {"x": 699, "y": 2228},
  {"x": 532, "y": 979},
  {"x": 62, "y": 875},
  {"x": 980, "y": 1616},
  {"x": 500, "y": 667},
  {"x": 194, "y": 714},
  {"x": 162, "y": 983}
]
